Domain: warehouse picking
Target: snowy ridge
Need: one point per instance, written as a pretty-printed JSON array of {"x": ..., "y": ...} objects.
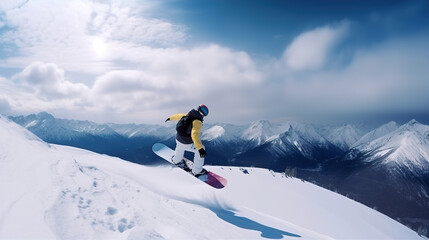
[
  {"x": 300, "y": 143},
  {"x": 344, "y": 136},
  {"x": 134, "y": 130},
  {"x": 213, "y": 133},
  {"x": 376, "y": 133},
  {"x": 258, "y": 132},
  {"x": 222, "y": 132},
  {"x": 291, "y": 141},
  {"x": 309, "y": 133},
  {"x": 60, "y": 192},
  {"x": 253, "y": 135},
  {"x": 407, "y": 146},
  {"x": 48, "y": 127}
]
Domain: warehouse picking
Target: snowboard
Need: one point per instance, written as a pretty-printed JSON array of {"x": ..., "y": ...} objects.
[{"x": 210, "y": 178}]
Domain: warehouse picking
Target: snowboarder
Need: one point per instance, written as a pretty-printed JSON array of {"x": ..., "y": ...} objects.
[{"x": 188, "y": 139}]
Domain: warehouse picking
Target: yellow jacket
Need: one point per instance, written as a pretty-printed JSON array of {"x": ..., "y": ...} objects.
[{"x": 196, "y": 129}]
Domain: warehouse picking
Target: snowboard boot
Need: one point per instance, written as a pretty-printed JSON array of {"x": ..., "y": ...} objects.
[
  {"x": 202, "y": 173},
  {"x": 183, "y": 166}
]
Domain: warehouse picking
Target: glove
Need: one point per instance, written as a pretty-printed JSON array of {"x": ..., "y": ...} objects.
[
  {"x": 168, "y": 119},
  {"x": 202, "y": 152}
]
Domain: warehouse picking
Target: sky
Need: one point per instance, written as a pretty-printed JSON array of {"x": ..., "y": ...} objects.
[{"x": 141, "y": 61}]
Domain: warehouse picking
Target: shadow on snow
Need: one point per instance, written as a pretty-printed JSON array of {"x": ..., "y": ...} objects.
[{"x": 246, "y": 223}]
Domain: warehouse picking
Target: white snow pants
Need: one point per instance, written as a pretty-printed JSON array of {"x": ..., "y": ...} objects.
[{"x": 180, "y": 152}]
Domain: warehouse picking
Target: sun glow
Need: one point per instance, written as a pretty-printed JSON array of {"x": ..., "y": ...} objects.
[{"x": 99, "y": 47}]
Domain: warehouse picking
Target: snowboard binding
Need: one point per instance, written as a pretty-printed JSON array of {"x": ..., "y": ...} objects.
[{"x": 182, "y": 164}]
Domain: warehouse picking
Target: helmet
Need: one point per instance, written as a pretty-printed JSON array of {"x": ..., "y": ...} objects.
[{"x": 203, "y": 109}]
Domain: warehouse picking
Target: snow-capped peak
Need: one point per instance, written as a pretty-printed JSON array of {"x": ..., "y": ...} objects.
[
  {"x": 344, "y": 136},
  {"x": 412, "y": 122},
  {"x": 407, "y": 146},
  {"x": 376, "y": 133},
  {"x": 262, "y": 130},
  {"x": 49, "y": 127},
  {"x": 258, "y": 130},
  {"x": 414, "y": 125},
  {"x": 213, "y": 133},
  {"x": 308, "y": 132}
]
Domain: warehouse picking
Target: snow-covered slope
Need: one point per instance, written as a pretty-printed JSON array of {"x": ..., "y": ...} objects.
[
  {"x": 300, "y": 146},
  {"x": 222, "y": 133},
  {"x": 408, "y": 147},
  {"x": 260, "y": 131},
  {"x": 302, "y": 138},
  {"x": 376, "y": 133},
  {"x": 46, "y": 126},
  {"x": 343, "y": 136},
  {"x": 58, "y": 192},
  {"x": 143, "y": 130}
]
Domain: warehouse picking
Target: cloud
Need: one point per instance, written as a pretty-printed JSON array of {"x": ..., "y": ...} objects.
[
  {"x": 391, "y": 76},
  {"x": 4, "y": 103},
  {"x": 124, "y": 81},
  {"x": 110, "y": 61},
  {"x": 82, "y": 35},
  {"x": 4, "y": 106},
  {"x": 177, "y": 79},
  {"x": 167, "y": 80},
  {"x": 310, "y": 50},
  {"x": 388, "y": 77},
  {"x": 48, "y": 81},
  {"x": 123, "y": 23}
]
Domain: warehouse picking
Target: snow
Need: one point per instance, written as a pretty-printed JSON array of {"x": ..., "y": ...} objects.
[
  {"x": 407, "y": 146},
  {"x": 299, "y": 137},
  {"x": 261, "y": 131},
  {"x": 221, "y": 133},
  {"x": 213, "y": 133},
  {"x": 297, "y": 145},
  {"x": 59, "y": 192},
  {"x": 142, "y": 130},
  {"x": 307, "y": 132},
  {"x": 31, "y": 124},
  {"x": 48, "y": 127},
  {"x": 377, "y": 133},
  {"x": 344, "y": 136}
]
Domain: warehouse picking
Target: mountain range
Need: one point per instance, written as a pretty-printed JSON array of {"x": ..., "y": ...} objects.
[
  {"x": 54, "y": 191},
  {"x": 383, "y": 166}
]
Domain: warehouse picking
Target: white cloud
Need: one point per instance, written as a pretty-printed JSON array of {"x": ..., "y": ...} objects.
[
  {"x": 4, "y": 106},
  {"x": 4, "y": 103},
  {"x": 140, "y": 73},
  {"x": 175, "y": 79},
  {"x": 387, "y": 77},
  {"x": 10, "y": 4},
  {"x": 168, "y": 80},
  {"x": 310, "y": 50},
  {"x": 390, "y": 77},
  {"x": 135, "y": 61},
  {"x": 48, "y": 81},
  {"x": 124, "y": 81},
  {"x": 81, "y": 35},
  {"x": 123, "y": 23}
]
